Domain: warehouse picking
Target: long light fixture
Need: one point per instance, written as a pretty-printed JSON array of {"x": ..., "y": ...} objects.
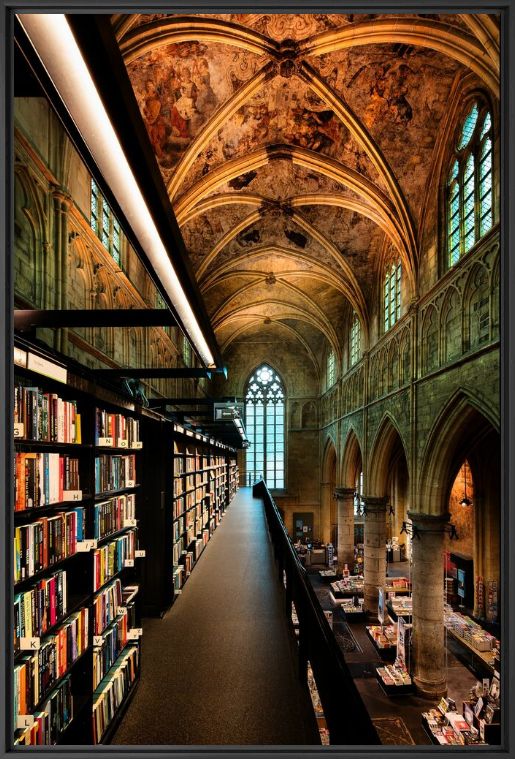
[{"x": 53, "y": 41}]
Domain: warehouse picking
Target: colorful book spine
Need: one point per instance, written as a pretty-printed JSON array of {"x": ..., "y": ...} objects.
[
  {"x": 54, "y": 716},
  {"x": 109, "y": 695},
  {"x": 38, "y": 609},
  {"x": 113, "y": 515},
  {"x": 45, "y": 416},
  {"x": 114, "y": 472},
  {"x": 111, "y": 558},
  {"x": 42, "y": 479}
]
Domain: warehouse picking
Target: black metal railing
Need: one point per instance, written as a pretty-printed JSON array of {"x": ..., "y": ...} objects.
[{"x": 347, "y": 719}]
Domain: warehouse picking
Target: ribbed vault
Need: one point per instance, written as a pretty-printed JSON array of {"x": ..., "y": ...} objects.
[{"x": 298, "y": 150}]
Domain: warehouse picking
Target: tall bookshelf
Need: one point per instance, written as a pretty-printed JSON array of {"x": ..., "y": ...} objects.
[
  {"x": 76, "y": 621},
  {"x": 191, "y": 486}
]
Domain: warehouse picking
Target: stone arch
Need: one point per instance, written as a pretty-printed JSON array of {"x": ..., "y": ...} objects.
[
  {"x": 29, "y": 239},
  {"x": 429, "y": 340},
  {"x": 352, "y": 460},
  {"x": 393, "y": 365},
  {"x": 450, "y": 321},
  {"x": 405, "y": 357},
  {"x": 309, "y": 415},
  {"x": 494, "y": 296},
  {"x": 328, "y": 514},
  {"x": 388, "y": 444},
  {"x": 464, "y": 421},
  {"x": 476, "y": 308}
]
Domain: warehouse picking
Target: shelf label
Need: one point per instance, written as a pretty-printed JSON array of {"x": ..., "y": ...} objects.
[
  {"x": 47, "y": 368},
  {"x": 140, "y": 553},
  {"x": 130, "y": 523},
  {"x": 20, "y": 357},
  {"x": 105, "y": 442},
  {"x": 72, "y": 495},
  {"x": 130, "y": 483},
  {"x": 98, "y": 640},
  {"x": 24, "y": 720},
  {"x": 134, "y": 633},
  {"x": 137, "y": 445},
  {"x": 19, "y": 429},
  {"x": 128, "y": 563},
  {"x": 30, "y": 644},
  {"x": 83, "y": 546},
  {"x": 122, "y": 443}
]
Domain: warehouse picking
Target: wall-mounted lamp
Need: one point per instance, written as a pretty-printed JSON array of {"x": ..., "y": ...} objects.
[{"x": 465, "y": 501}]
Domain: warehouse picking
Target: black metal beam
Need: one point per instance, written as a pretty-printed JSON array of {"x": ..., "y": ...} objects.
[
  {"x": 84, "y": 317},
  {"x": 166, "y": 372},
  {"x": 192, "y": 401}
]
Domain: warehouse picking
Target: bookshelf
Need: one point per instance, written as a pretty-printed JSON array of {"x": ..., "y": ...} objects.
[
  {"x": 76, "y": 620},
  {"x": 196, "y": 478}
]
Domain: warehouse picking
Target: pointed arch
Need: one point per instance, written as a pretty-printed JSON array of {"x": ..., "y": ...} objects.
[
  {"x": 388, "y": 441},
  {"x": 432, "y": 34},
  {"x": 464, "y": 420},
  {"x": 352, "y": 459}
]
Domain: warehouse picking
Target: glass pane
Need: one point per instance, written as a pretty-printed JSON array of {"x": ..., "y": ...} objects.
[
  {"x": 487, "y": 123},
  {"x": 468, "y": 127}
]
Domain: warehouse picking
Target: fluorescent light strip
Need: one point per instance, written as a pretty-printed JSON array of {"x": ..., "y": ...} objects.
[{"x": 52, "y": 38}]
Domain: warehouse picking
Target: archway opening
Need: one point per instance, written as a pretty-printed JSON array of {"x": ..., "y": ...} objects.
[{"x": 328, "y": 511}]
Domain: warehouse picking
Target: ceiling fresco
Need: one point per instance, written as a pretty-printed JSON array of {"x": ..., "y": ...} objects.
[{"x": 296, "y": 149}]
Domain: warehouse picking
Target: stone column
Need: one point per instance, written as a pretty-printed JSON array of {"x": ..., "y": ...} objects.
[
  {"x": 345, "y": 507},
  {"x": 428, "y": 649},
  {"x": 324, "y": 533},
  {"x": 375, "y": 550}
]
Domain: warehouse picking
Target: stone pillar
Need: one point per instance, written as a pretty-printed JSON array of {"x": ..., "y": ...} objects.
[
  {"x": 345, "y": 507},
  {"x": 375, "y": 550},
  {"x": 428, "y": 649},
  {"x": 324, "y": 533}
]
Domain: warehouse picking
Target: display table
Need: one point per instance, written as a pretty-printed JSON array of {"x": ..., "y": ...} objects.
[
  {"x": 394, "y": 680},
  {"x": 348, "y": 587},
  {"x": 478, "y": 643},
  {"x": 399, "y": 607},
  {"x": 450, "y": 728},
  {"x": 384, "y": 640}
]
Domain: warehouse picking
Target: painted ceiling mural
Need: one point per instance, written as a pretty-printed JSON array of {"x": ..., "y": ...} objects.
[{"x": 297, "y": 149}]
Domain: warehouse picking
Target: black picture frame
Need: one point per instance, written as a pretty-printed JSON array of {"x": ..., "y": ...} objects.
[{"x": 507, "y": 354}]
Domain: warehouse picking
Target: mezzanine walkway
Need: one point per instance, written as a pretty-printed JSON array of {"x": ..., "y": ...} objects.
[{"x": 219, "y": 668}]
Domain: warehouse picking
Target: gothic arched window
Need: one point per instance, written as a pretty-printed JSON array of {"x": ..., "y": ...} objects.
[
  {"x": 355, "y": 341},
  {"x": 264, "y": 421},
  {"x": 392, "y": 295},
  {"x": 469, "y": 194}
]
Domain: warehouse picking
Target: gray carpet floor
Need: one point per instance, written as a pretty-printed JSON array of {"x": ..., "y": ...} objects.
[{"x": 220, "y": 667}]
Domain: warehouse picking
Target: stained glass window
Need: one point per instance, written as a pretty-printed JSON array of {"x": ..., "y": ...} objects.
[
  {"x": 331, "y": 369},
  {"x": 355, "y": 341},
  {"x": 103, "y": 222},
  {"x": 469, "y": 204},
  {"x": 392, "y": 295},
  {"x": 264, "y": 423}
]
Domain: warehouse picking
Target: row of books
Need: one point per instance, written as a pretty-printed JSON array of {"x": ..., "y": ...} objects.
[
  {"x": 116, "y": 430},
  {"x": 43, "y": 543},
  {"x": 114, "y": 472},
  {"x": 113, "y": 515},
  {"x": 109, "y": 695},
  {"x": 106, "y": 605},
  {"x": 45, "y": 416},
  {"x": 111, "y": 558},
  {"x": 450, "y": 728},
  {"x": 45, "y": 478},
  {"x": 114, "y": 640},
  {"x": 50, "y": 720},
  {"x": 36, "y": 673},
  {"x": 38, "y": 609}
]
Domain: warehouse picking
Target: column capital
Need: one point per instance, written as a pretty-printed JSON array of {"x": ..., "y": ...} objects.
[
  {"x": 429, "y": 522},
  {"x": 341, "y": 492},
  {"x": 374, "y": 503}
]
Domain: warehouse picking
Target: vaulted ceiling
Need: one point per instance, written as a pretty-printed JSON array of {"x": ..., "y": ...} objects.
[{"x": 296, "y": 150}]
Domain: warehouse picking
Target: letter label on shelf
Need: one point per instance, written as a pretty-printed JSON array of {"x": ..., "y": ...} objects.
[
  {"x": 128, "y": 563},
  {"x": 134, "y": 633},
  {"x": 140, "y": 553},
  {"x": 30, "y": 644},
  {"x": 24, "y": 720},
  {"x": 19, "y": 429}
]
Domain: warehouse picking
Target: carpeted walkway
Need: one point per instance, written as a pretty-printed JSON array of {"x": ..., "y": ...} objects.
[{"x": 220, "y": 668}]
